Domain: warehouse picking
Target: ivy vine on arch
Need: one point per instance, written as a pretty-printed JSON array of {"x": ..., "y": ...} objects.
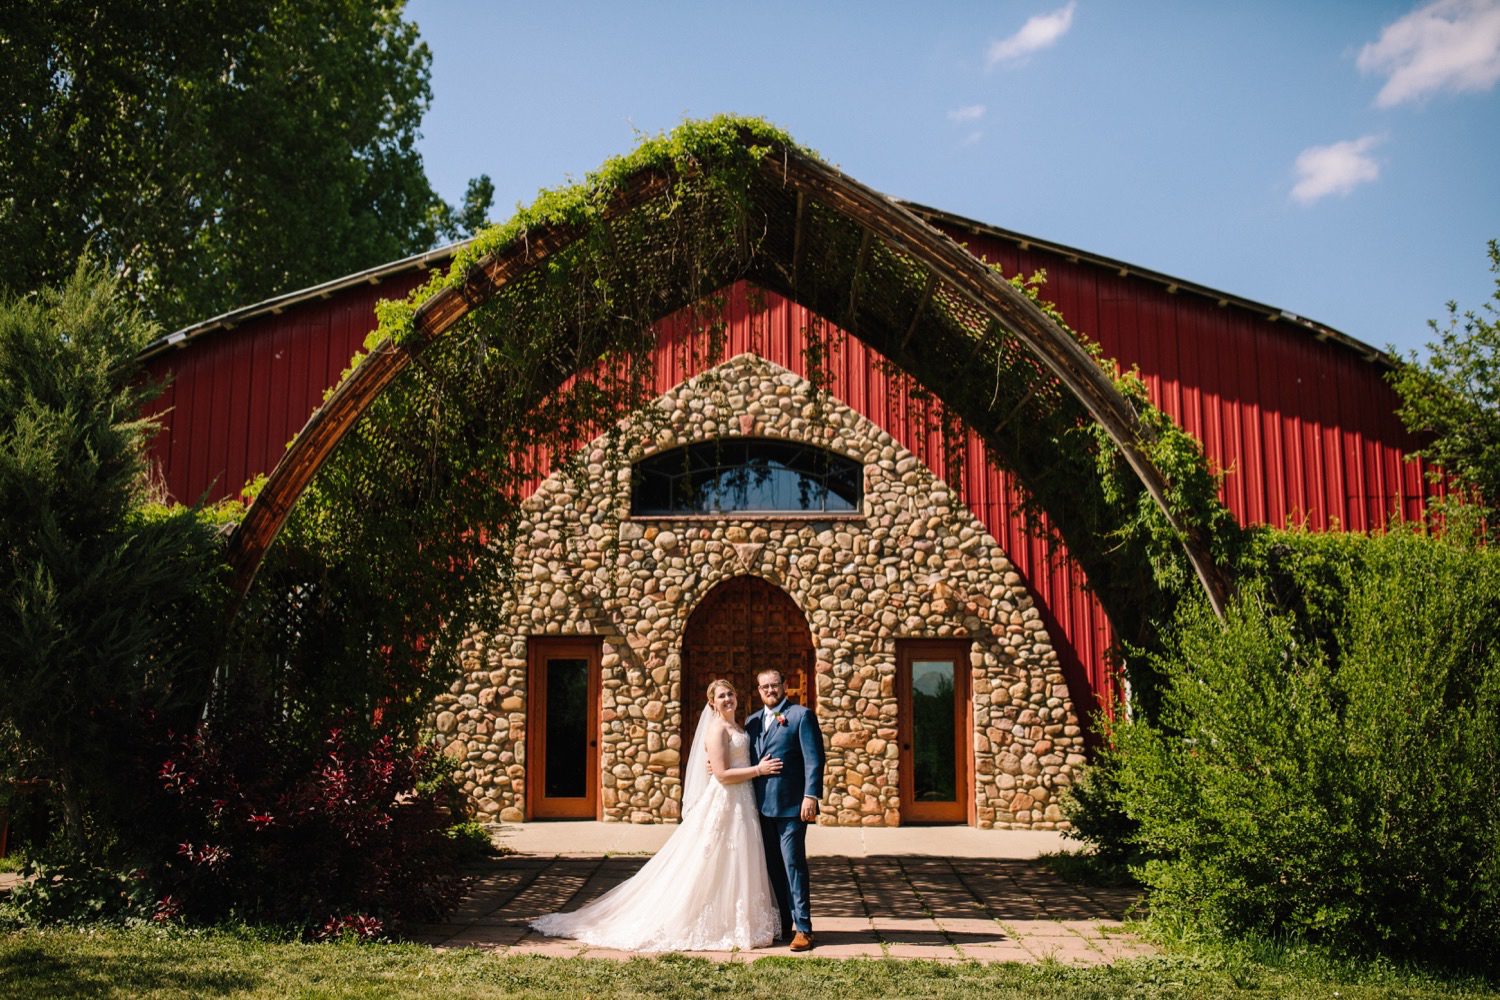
[{"x": 541, "y": 335}]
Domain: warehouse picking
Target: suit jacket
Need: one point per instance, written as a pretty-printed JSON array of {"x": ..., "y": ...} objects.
[{"x": 799, "y": 744}]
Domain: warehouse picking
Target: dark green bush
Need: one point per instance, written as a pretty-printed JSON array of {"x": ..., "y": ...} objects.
[
  {"x": 116, "y": 678},
  {"x": 1327, "y": 761},
  {"x": 1096, "y": 809},
  {"x": 66, "y": 886}
]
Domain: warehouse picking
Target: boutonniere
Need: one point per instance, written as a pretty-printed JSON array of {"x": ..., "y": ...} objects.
[{"x": 780, "y": 719}]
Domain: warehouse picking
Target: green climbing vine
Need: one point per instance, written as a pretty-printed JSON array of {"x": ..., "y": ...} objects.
[{"x": 394, "y": 555}]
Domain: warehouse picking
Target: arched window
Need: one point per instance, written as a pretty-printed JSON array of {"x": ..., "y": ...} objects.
[{"x": 753, "y": 475}]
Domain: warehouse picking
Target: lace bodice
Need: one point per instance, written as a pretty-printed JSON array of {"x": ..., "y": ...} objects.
[{"x": 739, "y": 748}]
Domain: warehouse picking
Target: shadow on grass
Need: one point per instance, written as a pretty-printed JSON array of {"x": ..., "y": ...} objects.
[
  {"x": 32, "y": 971},
  {"x": 64, "y": 964}
]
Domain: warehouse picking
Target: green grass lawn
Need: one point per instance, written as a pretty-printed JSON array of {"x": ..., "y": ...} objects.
[{"x": 147, "y": 963}]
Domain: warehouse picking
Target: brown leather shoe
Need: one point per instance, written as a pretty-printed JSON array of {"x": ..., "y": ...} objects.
[{"x": 802, "y": 941}]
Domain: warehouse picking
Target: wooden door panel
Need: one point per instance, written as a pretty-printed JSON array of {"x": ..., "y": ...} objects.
[{"x": 743, "y": 626}]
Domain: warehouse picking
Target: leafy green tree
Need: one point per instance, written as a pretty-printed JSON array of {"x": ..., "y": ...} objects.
[
  {"x": 1454, "y": 396},
  {"x": 473, "y": 214},
  {"x": 108, "y": 611},
  {"x": 214, "y": 152}
]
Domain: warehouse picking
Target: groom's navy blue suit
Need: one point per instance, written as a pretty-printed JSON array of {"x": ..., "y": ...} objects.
[{"x": 788, "y": 732}]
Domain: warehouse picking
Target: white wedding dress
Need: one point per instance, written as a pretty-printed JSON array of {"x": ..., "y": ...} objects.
[{"x": 705, "y": 890}]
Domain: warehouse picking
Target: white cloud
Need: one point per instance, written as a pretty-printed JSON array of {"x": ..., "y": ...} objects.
[
  {"x": 968, "y": 113},
  {"x": 1444, "y": 45},
  {"x": 1335, "y": 169},
  {"x": 1038, "y": 33}
]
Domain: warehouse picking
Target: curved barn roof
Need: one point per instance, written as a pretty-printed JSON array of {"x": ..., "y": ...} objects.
[{"x": 443, "y": 256}]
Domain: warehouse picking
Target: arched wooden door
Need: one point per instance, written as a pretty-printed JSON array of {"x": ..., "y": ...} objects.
[{"x": 743, "y": 626}]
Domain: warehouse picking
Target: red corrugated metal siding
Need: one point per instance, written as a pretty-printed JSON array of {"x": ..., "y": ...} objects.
[
  {"x": 236, "y": 397},
  {"x": 1305, "y": 430}
]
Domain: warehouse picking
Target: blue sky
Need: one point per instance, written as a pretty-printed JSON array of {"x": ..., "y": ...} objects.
[{"x": 1335, "y": 159}]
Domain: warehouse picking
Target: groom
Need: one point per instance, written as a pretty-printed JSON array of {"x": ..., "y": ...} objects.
[{"x": 788, "y": 801}]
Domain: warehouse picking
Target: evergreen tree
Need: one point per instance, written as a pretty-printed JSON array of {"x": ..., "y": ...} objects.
[{"x": 108, "y": 607}]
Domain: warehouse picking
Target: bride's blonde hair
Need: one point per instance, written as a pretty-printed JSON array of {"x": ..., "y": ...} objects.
[{"x": 714, "y": 685}]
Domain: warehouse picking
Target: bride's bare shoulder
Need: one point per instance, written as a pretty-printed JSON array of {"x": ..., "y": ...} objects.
[{"x": 718, "y": 730}]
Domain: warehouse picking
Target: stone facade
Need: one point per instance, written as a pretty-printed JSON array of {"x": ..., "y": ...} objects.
[{"x": 914, "y": 564}]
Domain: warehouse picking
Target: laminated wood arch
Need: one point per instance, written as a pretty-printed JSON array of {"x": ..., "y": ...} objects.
[{"x": 862, "y": 262}]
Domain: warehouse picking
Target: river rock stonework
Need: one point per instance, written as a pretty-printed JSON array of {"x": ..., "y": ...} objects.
[{"x": 914, "y": 564}]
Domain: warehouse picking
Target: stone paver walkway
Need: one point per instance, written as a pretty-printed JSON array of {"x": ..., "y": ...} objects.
[{"x": 945, "y": 909}]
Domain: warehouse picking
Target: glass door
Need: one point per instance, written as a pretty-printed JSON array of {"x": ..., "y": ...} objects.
[
  {"x": 562, "y": 742},
  {"x": 932, "y": 682}
]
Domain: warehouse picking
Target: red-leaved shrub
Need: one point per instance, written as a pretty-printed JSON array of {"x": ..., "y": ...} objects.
[{"x": 343, "y": 838}]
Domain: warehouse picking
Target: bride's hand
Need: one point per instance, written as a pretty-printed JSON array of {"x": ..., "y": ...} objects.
[{"x": 771, "y": 765}]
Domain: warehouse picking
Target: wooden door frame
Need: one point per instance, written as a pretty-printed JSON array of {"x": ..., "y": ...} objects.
[
  {"x": 956, "y": 650},
  {"x": 539, "y": 649}
]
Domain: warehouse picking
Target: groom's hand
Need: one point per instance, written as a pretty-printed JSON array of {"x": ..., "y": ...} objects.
[{"x": 809, "y": 809}]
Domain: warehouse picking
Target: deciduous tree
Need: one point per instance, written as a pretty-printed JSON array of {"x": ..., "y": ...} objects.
[
  {"x": 214, "y": 152},
  {"x": 1454, "y": 396}
]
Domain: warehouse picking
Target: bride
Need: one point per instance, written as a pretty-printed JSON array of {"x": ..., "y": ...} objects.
[{"x": 707, "y": 888}]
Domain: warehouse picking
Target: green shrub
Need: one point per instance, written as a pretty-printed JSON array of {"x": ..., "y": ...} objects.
[
  {"x": 66, "y": 886},
  {"x": 471, "y": 839},
  {"x": 1094, "y": 806},
  {"x": 1327, "y": 762},
  {"x": 203, "y": 766},
  {"x": 109, "y": 615}
]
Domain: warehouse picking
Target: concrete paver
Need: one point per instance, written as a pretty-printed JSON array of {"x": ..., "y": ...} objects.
[
  {"x": 940, "y": 894},
  {"x": 598, "y": 839},
  {"x": 947, "y": 894},
  {"x": 986, "y": 954}
]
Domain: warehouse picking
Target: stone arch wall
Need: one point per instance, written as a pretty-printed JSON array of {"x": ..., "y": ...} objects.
[{"x": 914, "y": 563}]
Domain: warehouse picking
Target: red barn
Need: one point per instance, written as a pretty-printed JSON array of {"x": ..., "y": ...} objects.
[{"x": 952, "y": 659}]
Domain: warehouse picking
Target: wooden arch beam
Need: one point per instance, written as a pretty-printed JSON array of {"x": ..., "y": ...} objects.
[
  {"x": 1074, "y": 368},
  {"x": 1063, "y": 355}
]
